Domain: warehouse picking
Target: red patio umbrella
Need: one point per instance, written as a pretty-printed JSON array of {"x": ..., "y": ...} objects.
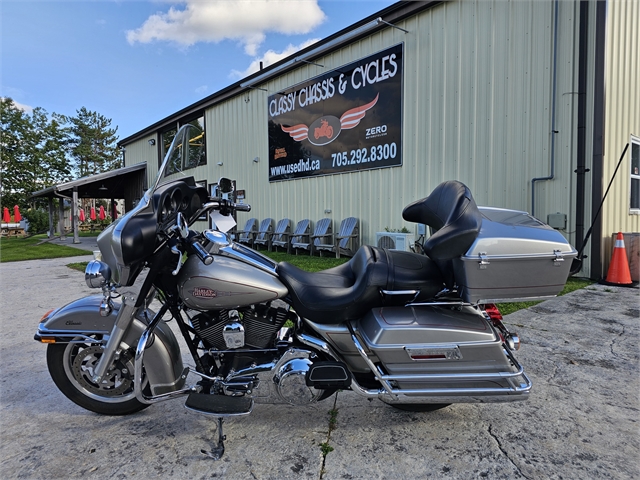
[
  {"x": 81, "y": 215},
  {"x": 92, "y": 214},
  {"x": 6, "y": 217},
  {"x": 101, "y": 215},
  {"x": 16, "y": 214}
]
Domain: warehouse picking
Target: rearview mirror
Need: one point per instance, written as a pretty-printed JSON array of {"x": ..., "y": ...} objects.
[{"x": 225, "y": 185}]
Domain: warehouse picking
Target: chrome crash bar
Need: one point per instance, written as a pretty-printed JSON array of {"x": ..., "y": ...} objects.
[{"x": 137, "y": 377}]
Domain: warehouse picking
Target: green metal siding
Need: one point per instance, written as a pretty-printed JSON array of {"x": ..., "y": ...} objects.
[{"x": 478, "y": 106}]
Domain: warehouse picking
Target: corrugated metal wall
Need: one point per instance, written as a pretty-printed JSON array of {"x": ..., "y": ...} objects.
[
  {"x": 479, "y": 78},
  {"x": 477, "y": 108},
  {"x": 140, "y": 151},
  {"x": 622, "y": 115}
]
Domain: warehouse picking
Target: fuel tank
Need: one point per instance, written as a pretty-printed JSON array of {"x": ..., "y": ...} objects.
[{"x": 227, "y": 283}]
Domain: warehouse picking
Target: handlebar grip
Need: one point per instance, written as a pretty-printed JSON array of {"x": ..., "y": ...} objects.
[
  {"x": 201, "y": 253},
  {"x": 242, "y": 207}
]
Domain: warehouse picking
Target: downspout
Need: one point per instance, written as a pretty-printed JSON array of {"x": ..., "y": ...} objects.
[
  {"x": 598, "y": 138},
  {"x": 553, "y": 114},
  {"x": 581, "y": 170}
]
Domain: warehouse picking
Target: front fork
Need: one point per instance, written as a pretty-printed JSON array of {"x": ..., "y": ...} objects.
[{"x": 124, "y": 319}]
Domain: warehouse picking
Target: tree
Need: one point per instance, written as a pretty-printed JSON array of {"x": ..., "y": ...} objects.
[
  {"x": 33, "y": 152},
  {"x": 93, "y": 144}
]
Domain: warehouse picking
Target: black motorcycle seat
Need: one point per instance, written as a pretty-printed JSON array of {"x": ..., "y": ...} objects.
[{"x": 348, "y": 291}]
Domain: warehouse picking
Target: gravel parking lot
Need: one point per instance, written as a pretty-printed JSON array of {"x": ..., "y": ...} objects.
[{"x": 581, "y": 352}]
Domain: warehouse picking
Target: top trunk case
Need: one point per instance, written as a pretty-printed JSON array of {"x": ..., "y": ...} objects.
[{"x": 515, "y": 257}]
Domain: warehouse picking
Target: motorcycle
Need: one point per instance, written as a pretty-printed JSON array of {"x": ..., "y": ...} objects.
[{"x": 418, "y": 332}]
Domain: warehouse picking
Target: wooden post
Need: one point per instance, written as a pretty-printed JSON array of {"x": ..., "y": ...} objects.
[
  {"x": 74, "y": 215},
  {"x": 51, "y": 225},
  {"x": 61, "y": 218}
]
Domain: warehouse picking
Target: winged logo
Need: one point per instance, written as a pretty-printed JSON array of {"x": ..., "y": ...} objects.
[{"x": 326, "y": 129}]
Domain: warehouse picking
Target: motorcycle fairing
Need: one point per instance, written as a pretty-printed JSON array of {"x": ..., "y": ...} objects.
[{"x": 81, "y": 318}]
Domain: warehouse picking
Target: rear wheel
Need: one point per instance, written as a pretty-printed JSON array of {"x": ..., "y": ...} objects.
[{"x": 71, "y": 366}]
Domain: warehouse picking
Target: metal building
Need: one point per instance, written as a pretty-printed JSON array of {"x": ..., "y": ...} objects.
[{"x": 506, "y": 96}]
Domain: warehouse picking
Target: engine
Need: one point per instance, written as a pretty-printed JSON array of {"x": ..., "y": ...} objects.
[{"x": 255, "y": 326}]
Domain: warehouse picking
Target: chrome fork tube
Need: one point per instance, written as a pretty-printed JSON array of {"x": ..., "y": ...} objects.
[{"x": 122, "y": 323}]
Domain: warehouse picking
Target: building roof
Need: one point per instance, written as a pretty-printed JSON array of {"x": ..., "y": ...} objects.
[
  {"x": 382, "y": 19},
  {"x": 110, "y": 184}
]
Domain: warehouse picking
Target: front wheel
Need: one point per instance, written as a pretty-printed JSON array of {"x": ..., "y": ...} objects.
[{"x": 71, "y": 366}]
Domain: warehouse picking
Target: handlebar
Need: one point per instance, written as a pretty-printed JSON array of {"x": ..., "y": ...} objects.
[
  {"x": 222, "y": 205},
  {"x": 213, "y": 204},
  {"x": 200, "y": 252}
]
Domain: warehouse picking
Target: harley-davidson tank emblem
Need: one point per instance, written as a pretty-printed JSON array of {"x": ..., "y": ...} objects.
[
  {"x": 206, "y": 292},
  {"x": 203, "y": 292}
]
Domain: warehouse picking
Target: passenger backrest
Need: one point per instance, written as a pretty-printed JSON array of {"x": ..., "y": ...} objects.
[{"x": 455, "y": 219}]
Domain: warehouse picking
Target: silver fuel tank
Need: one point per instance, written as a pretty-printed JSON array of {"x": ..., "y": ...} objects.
[{"x": 229, "y": 282}]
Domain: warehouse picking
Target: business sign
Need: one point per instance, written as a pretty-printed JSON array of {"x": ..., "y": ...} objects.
[{"x": 346, "y": 120}]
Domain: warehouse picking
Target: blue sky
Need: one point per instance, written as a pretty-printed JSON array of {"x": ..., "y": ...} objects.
[{"x": 137, "y": 62}]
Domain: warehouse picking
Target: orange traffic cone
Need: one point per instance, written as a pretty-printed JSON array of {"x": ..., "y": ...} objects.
[{"x": 619, "y": 273}]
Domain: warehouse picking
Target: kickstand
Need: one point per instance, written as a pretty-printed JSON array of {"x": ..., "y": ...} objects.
[{"x": 217, "y": 452}]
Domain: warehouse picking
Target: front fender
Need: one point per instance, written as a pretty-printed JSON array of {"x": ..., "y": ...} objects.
[{"x": 80, "y": 320}]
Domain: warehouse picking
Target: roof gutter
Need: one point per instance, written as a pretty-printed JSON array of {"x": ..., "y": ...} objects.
[
  {"x": 382, "y": 19},
  {"x": 315, "y": 52}
]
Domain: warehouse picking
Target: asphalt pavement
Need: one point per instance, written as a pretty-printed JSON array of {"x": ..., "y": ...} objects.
[{"x": 582, "y": 419}]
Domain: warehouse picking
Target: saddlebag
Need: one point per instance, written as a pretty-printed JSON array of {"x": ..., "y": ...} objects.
[
  {"x": 515, "y": 257},
  {"x": 436, "y": 351}
]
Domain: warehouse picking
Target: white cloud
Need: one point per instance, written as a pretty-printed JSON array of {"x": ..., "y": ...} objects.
[
  {"x": 244, "y": 20},
  {"x": 202, "y": 89},
  {"x": 21, "y": 106},
  {"x": 270, "y": 57}
]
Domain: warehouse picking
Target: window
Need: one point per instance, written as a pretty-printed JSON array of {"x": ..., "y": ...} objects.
[
  {"x": 634, "y": 204},
  {"x": 197, "y": 151},
  {"x": 166, "y": 138}
]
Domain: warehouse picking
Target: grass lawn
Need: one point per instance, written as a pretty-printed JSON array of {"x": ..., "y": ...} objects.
[
  {"x": 18, "y": 249},
  {"x": 306, "y": 262},
  {"x": 572, "y": 284},
  {"x": 314, "y": 264}
]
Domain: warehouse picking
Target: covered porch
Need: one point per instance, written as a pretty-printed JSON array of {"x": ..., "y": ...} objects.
[{"x": 127, "y": 183}]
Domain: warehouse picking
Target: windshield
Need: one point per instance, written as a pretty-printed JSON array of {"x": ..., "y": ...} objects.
[{"x": 186, "y": 151}]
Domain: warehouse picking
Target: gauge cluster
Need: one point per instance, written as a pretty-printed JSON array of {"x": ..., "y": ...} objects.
[{"x": 180, "y": 196}]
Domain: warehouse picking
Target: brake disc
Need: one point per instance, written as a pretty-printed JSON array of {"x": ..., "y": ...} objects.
[{"x": 116, "y": 381}]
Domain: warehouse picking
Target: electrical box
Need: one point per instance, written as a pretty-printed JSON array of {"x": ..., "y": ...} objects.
[{"x": 557, "y": 220}]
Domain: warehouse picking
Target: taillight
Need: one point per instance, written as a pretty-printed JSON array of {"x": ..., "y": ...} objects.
[
  {"x": 512, "y": 340},
  {"x": 493, "y": 311}
]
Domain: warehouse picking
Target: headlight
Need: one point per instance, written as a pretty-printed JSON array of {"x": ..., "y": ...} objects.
[{"x": 97, "y": 274}]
